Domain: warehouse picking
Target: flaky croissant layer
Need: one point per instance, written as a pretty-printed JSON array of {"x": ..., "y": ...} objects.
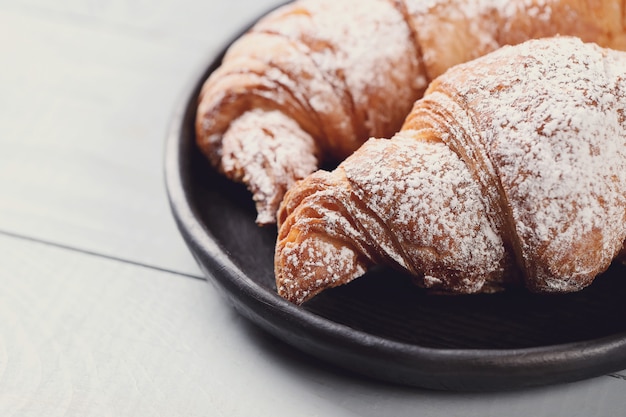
[
  {"x": 511, "y": 169},
  {"x": 329, "y": 74}
]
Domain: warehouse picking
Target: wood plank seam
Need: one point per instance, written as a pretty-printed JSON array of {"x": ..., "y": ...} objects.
[{"x": 98, "y": 254}]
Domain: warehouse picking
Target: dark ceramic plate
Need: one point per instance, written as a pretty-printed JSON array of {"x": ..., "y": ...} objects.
[{"x": 381, "y": 325}]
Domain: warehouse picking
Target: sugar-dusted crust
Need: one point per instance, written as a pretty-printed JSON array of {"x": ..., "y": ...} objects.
[
  {"x": 346, "y": 70},
  {"x": 342, "y": 70},
  {"x": 512, "y": 167}
]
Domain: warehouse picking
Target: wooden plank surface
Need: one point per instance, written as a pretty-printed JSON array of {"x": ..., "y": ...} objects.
[
  {"x": 86, "y": 99},
  {"x": 81, "y": 335}
]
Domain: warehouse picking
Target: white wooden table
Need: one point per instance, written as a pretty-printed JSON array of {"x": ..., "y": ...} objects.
[{"x": 103, "y": 311}]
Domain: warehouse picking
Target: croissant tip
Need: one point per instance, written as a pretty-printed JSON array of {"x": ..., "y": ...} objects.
[
  {"x": 264, "y": 219},
  {"x": 306, "y": 268}
]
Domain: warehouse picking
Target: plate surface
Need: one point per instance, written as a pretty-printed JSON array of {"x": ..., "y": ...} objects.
[{"x": 381, "y": 325}]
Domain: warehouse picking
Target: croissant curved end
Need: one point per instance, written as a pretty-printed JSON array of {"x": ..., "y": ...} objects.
[
  {"x": 313, "y": 252},
  {"x": 307, "y": 267},
  {"x": 267, "y": 151}
]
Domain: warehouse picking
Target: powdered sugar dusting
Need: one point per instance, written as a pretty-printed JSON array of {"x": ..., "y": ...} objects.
[
  {"x": 345, "y": 70},
  {"x": 314, "y": 265},
  {"x": 312, "y": 255},
  {"x": 374, "y": 53},
  {"x": 267, "y": 159},
  {"x": 369, "y": 57},
  {"x": 550, "y": 113},
  {"x": 426, "y": 198},
  {"x": 405, "y": 202},
  {"x": 545, "y": 122}
]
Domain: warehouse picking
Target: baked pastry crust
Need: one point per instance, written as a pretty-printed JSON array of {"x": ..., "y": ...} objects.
[
  {"x": 313, "y": 80},
  {"x": 511, "y": 170}
]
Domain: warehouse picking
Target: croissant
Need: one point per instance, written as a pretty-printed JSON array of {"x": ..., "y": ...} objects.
[
  {"x": 510, "y": 171},
  {"x": 308, "y": 84}
]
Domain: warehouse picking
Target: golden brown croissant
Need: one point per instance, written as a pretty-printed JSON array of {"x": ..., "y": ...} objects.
[
  {"x": 316, "y": 78},
  {"x": 511, "y": 169}
]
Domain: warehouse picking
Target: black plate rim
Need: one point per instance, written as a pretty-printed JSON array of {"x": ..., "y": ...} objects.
[{"x": 359, "y": 352}]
